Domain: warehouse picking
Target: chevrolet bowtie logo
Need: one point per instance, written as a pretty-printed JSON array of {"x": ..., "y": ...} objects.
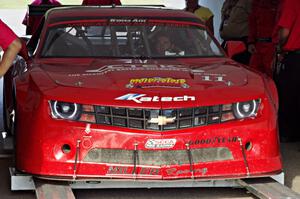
[{"x": 162, "y": 120}]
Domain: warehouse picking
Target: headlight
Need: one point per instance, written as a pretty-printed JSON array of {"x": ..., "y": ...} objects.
[
  {"x": 245, "y": 109},
  {"x": 65, "y": 110}
]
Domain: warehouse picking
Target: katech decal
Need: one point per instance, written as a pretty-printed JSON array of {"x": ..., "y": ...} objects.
[
  {"x": 157, "y": 82},
  {"x": 218, "y": 140},
  {"x": 160, "y": 143},
  {"x": 140, "y": 98}
]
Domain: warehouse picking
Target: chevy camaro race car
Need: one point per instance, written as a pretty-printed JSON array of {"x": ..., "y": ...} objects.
[{"x": 137, "y": 93}]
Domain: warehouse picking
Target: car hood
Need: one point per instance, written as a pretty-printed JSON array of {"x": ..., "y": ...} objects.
[
  {"x": 163, "y": 78},
  {"x": 164, "y": 75}
]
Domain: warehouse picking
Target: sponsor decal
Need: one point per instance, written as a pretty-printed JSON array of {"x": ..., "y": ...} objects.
[
  {"x": 126, "y": 21},
  {"x": 215, "y": 140},
  {"x": 117, "y": 170},
  {"x": 175, "y": 171},
  {"x": 136, "y": 67},
  {"x": 140, "y": 98},
  {"x": 160, "y": 143},
  {"x": 202, "y": 74},
  {"x": 149, "y": 171},
  {"x": 157, "y": 82}
]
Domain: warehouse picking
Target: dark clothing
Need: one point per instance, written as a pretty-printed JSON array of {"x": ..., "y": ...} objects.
[
  {"x": 262, "y": 22},
  {"x": 289, "y": 98},
  {"x": 235, "y": 14},
  {"x": 262, "y": 19},
  {"x": 234, "y": 26},
  {"x": 289, "y": 81}
]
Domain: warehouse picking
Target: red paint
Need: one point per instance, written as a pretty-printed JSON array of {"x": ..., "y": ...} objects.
[{"x": 39, "y": 137}]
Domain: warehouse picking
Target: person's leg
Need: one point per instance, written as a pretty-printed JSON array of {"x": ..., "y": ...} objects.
[
  {"x": 288, "y": 105},
  {"x": 267, "y": 52},
  {"x": 295, "y": 88}
]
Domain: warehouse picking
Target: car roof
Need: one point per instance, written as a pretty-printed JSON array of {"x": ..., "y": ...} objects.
[{"x": 86, "y": 12}]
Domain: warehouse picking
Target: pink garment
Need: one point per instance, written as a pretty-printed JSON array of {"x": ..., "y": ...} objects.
[
  {"x": 49, "y": 2},
  {"x": 100, "y": 2},
  {"x": 33, "y": 23}
]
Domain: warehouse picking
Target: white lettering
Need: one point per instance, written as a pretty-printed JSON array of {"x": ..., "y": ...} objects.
[
  {"x": 145, "y": 99},
  {"x": 178, "y": 99},
  {"x": 139, "y": 98},
  {"x": 186, "y": 98},
  {"x": 155, "y": 99},
  {"x": 166, "y": 99}
]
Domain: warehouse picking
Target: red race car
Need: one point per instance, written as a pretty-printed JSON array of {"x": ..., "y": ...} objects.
[{"x": 138, "y": 93}]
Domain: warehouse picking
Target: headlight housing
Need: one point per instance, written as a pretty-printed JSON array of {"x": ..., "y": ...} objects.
[
  {"x": 246, "y": 109},
  {"x": 65, "y": 110}
]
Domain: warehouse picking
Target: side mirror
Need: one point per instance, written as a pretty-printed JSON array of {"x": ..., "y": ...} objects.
[{"x": 234, "y": 47}]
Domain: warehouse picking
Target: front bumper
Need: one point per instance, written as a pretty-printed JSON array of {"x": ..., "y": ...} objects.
[{"x": 236, "y": 149}]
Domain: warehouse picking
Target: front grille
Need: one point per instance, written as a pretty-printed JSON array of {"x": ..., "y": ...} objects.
[
  {"x": 158, "y": 157},
  {"x": 148, "y": 118}
]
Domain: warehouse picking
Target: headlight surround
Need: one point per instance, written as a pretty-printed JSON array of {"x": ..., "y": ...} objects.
[
  {"x": 65, "y": 110},
  {"x": 246, "y": 109}
]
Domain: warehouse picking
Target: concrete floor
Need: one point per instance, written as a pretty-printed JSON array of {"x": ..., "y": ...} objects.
[{"x": 291, "y": 160}]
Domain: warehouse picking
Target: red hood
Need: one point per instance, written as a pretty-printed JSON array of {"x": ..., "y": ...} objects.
[
  {"x": 119, "y": 75},
  {"x": 163, "y": 78}
]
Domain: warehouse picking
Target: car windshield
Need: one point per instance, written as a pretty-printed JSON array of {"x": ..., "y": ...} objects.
[{"x": 129, "y": 40}]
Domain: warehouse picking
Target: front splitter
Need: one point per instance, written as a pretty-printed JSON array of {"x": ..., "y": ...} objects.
[{"x": 20, "y": 181}]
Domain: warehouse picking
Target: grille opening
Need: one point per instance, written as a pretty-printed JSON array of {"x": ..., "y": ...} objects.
[
  {"x": 151, "y": 113},
  {"x": 103, "y": 109},
  {"x": 248, "y": 146},
  {"x": 66, "y": 148},
  {"x": 158, "y": 157},
  {"x": 135, "y": 113},
  {"x": 170, "y": 126},
  {"x": 101, "y": 119},
  {"x": 213, "y": 119},
  {"x": 201, "y": 111},
  {"x": 119, "y": 111},
  {"x": 119, "y": 122},
  {"x": 136, "y": 124},
  {"x": 185, "y": 123},
  {"x": 138, "y": 118},
  {"x": 170, "y": 113},
  {"x": 185, "y": 113},
  {"x": 199, "y": 121},
  {"x": 214, "y": 109}
]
